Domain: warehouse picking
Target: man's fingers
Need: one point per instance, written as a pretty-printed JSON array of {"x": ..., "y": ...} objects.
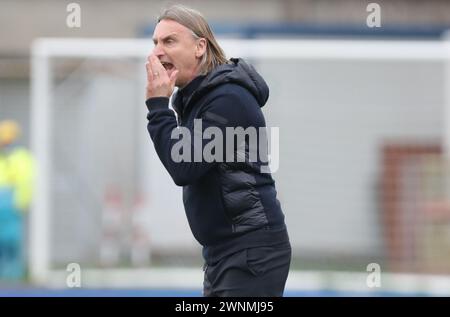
[
  {"x": 148, "y": 66},
  {"x": 173, "y": 78},
  {"x": 159, "y": 82},
  {"x": 157, "y": 67}
]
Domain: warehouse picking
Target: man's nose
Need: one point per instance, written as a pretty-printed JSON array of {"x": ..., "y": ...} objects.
[{"x": 157, "y": 51}]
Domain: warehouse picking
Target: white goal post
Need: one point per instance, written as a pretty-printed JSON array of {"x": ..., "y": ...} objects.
[{"x": 45, "y": 49}]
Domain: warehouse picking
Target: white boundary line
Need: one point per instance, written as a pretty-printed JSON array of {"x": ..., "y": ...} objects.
[{"x": 182, "y": 278}]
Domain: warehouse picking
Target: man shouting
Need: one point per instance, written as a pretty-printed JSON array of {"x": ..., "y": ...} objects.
[{"x": 230, "y": 203}]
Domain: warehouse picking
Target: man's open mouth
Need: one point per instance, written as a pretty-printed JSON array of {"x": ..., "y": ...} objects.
[{"x": 167, "y": 66}]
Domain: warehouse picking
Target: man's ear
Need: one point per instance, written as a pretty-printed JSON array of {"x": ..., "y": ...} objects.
[{"x": 201, "y": 47}]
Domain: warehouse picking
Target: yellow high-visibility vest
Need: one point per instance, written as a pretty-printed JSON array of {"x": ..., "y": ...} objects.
[{"x": 17, "y": 172}]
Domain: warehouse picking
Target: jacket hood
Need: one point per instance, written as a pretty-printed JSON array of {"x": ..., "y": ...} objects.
[{"x": 238, "y": 72}]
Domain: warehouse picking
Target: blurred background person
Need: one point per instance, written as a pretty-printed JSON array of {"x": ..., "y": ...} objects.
[{"x": 16, "y": 178}]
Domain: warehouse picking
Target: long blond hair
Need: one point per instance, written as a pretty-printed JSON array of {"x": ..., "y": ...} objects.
[{"x": 194, "y": 21}]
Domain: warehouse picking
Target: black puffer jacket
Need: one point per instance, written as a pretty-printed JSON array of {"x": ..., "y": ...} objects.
[{"x": 229, "y": 205}]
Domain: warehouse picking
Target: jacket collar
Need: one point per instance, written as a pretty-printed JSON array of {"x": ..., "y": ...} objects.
[{"x": 184, "y": 94}]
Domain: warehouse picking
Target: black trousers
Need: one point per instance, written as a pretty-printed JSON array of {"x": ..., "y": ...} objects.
[{"x": 253, "y": 272}]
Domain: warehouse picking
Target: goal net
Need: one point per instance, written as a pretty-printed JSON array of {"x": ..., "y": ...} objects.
[{"x": 344, "y": 108}]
